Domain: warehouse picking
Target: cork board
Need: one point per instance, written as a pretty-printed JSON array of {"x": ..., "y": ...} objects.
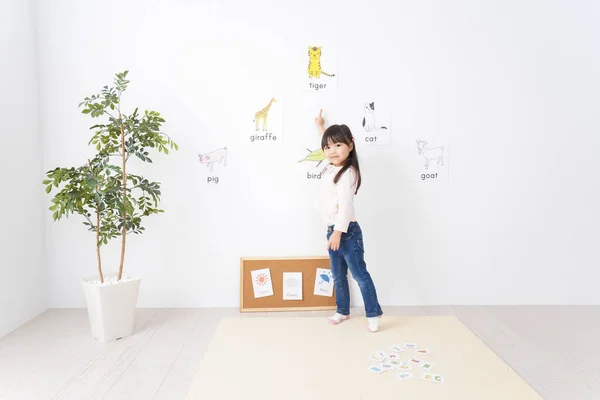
[{"x": 277, "y": 266}]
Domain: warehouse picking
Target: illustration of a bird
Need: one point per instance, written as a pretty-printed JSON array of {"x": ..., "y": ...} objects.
[{"x": 316, "y": 155}]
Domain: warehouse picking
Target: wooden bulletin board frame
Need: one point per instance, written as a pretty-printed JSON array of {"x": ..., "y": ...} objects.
[{"x": 278, "y": 265}]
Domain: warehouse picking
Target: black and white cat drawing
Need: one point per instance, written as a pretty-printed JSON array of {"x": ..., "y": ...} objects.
[{"x": 369, "y": 118}]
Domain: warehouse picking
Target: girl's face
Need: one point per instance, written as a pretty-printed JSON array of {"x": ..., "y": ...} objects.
[{"x": 337, "y": 153}]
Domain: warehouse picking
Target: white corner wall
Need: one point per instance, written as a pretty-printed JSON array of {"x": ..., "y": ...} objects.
[
  {"x": 23, "y": 272},
  {"x": 512, "y": 85}
]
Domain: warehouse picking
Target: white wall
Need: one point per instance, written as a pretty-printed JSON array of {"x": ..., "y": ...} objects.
[
  {"x": 22, "y": 270},
  {"x": 512, "y": 85}
]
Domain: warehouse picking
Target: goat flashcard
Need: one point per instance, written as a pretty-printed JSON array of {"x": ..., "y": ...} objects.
[
  {"x": 429, "y": 160},
  {"x": 213, "y": 163},
  {"x": 292, "y": 286},
  {"x": 262, "y": 283},
  {"x": 375, "y": 125},
  {"x": 320, "y": 68},
  {"x": 267, "y": 122},
  {"x": 323, "y": 282}
]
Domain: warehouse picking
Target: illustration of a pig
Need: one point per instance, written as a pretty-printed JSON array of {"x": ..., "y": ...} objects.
[{"x": 215, "y": 156}]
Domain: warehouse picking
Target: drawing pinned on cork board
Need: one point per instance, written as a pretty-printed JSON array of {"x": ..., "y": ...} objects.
[
  {"x": 213, "y": 165},
  {"x": 267, "y": 122},
  {"x": 429, "y": 160},
  {"x": 375, "y": 128},
  {"x": 320, "y": 68},
  {"x": 292, "y": 285}
]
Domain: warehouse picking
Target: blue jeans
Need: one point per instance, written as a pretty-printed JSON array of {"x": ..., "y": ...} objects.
[{"x": 351, "y": 255}]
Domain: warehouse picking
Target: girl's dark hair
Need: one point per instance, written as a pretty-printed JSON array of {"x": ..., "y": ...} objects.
[{"x": 342, "y": 134}]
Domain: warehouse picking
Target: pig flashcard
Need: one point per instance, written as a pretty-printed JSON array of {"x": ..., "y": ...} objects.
[
  {"x": 215, "y": 162},
  {"x": 218, "y": 156}
]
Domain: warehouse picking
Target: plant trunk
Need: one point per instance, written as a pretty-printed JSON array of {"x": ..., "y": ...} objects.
[
  {"x": 124, "y": 183},
  {"x": 97, "y": 231},
  {"x": 98, "y": 243}
]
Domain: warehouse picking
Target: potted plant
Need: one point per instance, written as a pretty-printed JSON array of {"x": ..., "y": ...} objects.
[{"x": 112, "y": 201}]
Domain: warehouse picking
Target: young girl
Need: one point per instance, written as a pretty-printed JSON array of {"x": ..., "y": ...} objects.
[{"x": 341, "y": 181}]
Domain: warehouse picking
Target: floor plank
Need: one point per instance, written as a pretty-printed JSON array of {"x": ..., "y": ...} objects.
[{"x": 176, "y": 383}]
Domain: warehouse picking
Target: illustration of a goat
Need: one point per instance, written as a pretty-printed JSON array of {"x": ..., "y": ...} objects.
[{"x": 432, "y": 153}]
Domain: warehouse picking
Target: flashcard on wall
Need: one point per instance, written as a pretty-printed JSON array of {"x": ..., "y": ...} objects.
[
  {"x": 261, "y": 282},
  {"x": 429, "y": 160},
  {"x": 267, "y": 122},
  {"x": 375, "y": 124},
  {"x": 319, "y": 67},
  {"x": 323, "y": 282},
  {"x": 213, "y": 166},
  {"x": 292, "y": 285},
  {"x": 314, "y": 162}
]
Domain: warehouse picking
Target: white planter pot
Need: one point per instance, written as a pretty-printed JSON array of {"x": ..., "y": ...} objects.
[{"x": 111, "y": 307}]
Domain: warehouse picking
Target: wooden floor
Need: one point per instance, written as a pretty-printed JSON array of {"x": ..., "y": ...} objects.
[{"x": 554, "y": 349}]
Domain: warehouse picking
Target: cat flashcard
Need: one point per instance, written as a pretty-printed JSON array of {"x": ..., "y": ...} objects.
[{"x": 375, "y": 125}]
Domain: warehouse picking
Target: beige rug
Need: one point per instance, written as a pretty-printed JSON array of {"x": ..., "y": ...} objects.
[{"x": 306, "y": 358}]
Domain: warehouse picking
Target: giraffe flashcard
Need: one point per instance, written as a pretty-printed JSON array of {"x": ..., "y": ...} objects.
[
  {"x": 319, "y": 67},
  {"x": 267, "y": 122},
  {"x": 428, "y": 159}
]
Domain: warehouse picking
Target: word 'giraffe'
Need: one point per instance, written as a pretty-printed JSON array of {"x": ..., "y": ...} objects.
[{"x": 263, "y": 114}]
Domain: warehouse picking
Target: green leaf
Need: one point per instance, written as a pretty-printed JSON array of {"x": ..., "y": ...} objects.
[{"x": 48, "y": 188}]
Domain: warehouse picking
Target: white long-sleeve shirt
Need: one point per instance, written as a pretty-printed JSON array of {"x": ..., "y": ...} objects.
[{"x": 336, "y": 200}]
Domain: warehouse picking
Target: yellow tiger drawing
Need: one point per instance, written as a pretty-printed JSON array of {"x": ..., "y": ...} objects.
[{"x": 314, "y": 63}]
